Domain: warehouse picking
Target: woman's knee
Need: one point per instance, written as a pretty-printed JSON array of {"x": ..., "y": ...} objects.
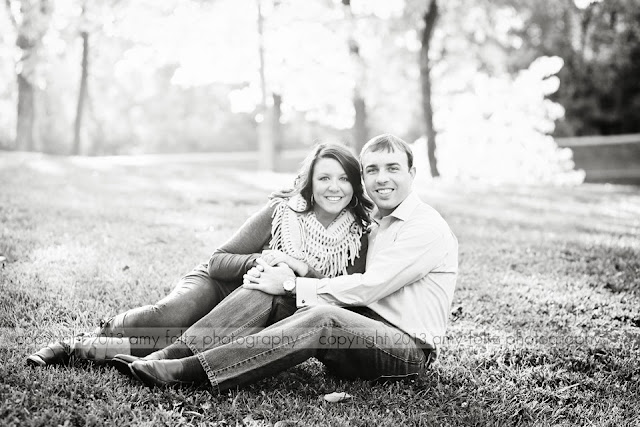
[
  {"x": 192, "y": 293},
  {"x": 143, "y": 317}
]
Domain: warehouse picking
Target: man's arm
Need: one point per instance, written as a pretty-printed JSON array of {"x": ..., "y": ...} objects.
[
  {"x": 418, "y": 249},
  {"x": 270, "y": 279}
]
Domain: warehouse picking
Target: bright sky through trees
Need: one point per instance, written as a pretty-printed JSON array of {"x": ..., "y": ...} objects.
[
  {"x": 583, "y": 4},
  {"x": 181, "y": 75}
]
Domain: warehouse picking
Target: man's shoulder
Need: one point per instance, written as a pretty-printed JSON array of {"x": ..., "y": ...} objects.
[
  {"x": 425, "y": 210},
  {"x": 428, "y": 216}
]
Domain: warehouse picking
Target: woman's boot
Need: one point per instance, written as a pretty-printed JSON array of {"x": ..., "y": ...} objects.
[
  {"x": 96, "y": 349},
  {"x": 100, "y": 349},
  {"x": 105, "y": 342},
  {"x": 53, "y": 354}
]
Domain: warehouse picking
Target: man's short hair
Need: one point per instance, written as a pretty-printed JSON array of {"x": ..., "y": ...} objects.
[{"x": 390, "y": 144}]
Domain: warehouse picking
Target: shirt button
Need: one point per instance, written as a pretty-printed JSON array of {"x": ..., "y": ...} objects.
[{"x": 303, "y": 301}]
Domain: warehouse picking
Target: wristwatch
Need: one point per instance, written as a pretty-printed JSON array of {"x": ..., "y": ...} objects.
[{"x": 289, "y": 286}]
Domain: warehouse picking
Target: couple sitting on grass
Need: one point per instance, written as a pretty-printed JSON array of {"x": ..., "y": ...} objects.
[{"x": 312, "y": 274}]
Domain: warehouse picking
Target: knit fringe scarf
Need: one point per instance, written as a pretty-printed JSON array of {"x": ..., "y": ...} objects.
[{"x": 300, "y": 235}]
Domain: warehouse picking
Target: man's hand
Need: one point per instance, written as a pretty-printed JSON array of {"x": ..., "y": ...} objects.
[
  {"x": 274, "y": 257},
  {"x": 266, "y": 278}
]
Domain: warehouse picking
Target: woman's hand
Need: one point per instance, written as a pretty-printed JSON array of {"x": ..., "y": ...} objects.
[
  {"x": 274, "y": 257},
  {"x": 266, "y": 278}
]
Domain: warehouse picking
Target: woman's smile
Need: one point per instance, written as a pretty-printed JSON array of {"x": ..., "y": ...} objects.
[
  {"x": 333, "y": 198},
  {"x": 331, "y": 188}
]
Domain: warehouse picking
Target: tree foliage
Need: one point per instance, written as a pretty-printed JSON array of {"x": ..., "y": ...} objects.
[
  {"x": 600, "y": 44},
  {"x": 184, "y": 75}
]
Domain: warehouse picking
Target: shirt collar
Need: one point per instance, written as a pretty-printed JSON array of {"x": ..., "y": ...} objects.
[{"x": 404, "y": 209}]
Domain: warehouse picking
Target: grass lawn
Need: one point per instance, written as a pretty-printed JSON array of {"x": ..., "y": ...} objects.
[{"x": 545, "y": 325}]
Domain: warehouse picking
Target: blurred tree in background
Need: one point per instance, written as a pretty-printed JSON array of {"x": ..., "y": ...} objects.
[
  {"x": 30, "y": 21},
  {"x": 117, "y": 77},
  {"x": 600, "y": 44}
]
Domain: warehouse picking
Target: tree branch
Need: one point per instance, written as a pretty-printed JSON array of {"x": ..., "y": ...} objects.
[
  {"x": 430, "y": 22},
  {"x": 11, "y": 17}
]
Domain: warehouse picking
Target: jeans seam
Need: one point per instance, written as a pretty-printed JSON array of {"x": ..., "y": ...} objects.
[
  {"x": 313, "y": 331},
  {"x": 381, "y": 348},
  {"x": 211, "y": 374},
  {"x": 252, "y": 321},
  {"x": 246, "y": 325},
  {"x": 403, "y": 360}
]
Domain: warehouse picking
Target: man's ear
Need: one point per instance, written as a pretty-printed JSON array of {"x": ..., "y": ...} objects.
[{"x": 412, "y": 171}]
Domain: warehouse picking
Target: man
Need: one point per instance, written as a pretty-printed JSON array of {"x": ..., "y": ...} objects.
[{"x": 376, "y": 325}]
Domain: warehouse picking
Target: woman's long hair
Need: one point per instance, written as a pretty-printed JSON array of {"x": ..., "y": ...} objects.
[{"x": 360, "y": 204}]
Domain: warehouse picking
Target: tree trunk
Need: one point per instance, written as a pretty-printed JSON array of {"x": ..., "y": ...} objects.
[
  {"x": 360, "y": 132},
  {"x": 26, "y": 114},
  {"x": 430, "y": 18},
  {"x": 266, "y": 156},
  {"x": 30, "y": 29},
  {"x": 82, "y": 94},
  {"x": 276, "y": 126}
]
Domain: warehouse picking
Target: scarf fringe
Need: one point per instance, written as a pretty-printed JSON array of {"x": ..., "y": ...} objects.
[{"x": 301, "y": 236}]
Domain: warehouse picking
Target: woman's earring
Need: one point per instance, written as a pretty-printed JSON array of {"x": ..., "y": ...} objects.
[
  {"x": 355, "y": 204},
  {"x": 312, "y": 201}
]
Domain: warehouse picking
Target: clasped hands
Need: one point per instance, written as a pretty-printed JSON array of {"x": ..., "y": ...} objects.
[{"x": 272, "y": 270}]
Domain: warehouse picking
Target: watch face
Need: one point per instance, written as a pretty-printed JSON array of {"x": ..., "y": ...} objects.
[{"x": 289, "y": 285}]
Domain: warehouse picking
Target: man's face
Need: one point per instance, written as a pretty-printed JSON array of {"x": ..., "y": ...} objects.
[{"x": 387, "y": 178}]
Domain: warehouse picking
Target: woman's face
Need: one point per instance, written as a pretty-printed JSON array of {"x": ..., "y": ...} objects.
[{"x": 332, "y": 190}]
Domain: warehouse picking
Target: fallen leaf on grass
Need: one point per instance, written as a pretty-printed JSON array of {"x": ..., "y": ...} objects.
[
  {"x": 337, "y": 397},
  {"x": 249, "y": 421}
]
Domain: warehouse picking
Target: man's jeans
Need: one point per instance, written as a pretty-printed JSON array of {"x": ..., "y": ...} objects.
[{"x": 251, "y": 335}]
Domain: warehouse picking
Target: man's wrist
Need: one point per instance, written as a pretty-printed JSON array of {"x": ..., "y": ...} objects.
[{"x": 289, "y": 286}]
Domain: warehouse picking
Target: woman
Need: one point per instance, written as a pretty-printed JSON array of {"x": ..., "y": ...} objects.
[{"x": 317, "y": 229}]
